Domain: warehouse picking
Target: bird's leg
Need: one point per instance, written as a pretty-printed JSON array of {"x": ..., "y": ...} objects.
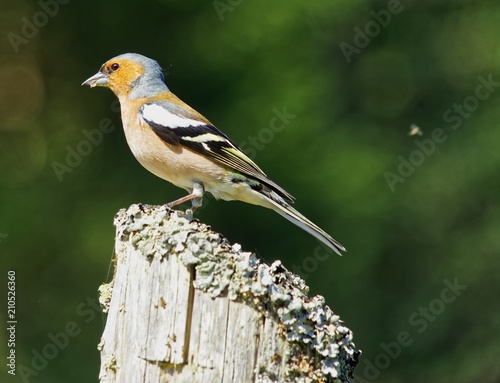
[
  {"x": 196, "y": 196},
  {"x": 197, "y": 201}
]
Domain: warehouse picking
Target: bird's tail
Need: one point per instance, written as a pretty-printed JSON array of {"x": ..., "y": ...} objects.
[{"x": 298, "y": 219}]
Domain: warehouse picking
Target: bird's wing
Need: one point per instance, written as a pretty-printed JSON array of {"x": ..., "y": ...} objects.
[{"x": 178, "y": 127}]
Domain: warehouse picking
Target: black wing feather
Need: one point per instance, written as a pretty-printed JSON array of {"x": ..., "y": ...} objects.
[{"x": 225, "y": 151}]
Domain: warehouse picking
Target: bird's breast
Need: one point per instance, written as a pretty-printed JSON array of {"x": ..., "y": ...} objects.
[{"x": 173, "y": 163}]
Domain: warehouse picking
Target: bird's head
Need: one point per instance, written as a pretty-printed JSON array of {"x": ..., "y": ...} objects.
[{"x": 130, "y": 75}]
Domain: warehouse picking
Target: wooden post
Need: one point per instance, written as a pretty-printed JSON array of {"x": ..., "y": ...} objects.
[{"x": 187, "y": 306}]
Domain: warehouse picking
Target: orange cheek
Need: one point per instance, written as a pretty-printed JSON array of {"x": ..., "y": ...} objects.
[
  {"x": 120, "y": 82},
  {"x": 119, "y": 87}
]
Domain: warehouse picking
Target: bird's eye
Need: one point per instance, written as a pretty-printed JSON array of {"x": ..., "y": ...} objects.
[{"x": 115, "y": 66}]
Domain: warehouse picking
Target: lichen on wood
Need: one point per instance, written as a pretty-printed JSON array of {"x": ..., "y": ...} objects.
[{"x": 214, "y": 312}]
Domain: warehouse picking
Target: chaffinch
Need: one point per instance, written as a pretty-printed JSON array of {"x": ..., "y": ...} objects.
[{"x": 178, "y": 144}]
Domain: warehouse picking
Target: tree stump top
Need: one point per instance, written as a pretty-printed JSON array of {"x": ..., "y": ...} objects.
[{"x": 214, "y": 313}]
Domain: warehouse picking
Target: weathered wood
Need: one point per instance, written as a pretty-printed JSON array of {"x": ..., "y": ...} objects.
[{"x": 186, "y": 306}]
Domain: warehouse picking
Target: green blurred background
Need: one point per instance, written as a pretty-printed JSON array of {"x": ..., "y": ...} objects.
[{"x": 236, "y": 62}]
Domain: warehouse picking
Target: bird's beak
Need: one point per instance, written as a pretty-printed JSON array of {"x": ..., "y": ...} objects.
[{"x": 99, "y": 79}]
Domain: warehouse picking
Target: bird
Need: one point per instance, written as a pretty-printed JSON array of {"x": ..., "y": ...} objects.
[{"x": 176, "y": 143}]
